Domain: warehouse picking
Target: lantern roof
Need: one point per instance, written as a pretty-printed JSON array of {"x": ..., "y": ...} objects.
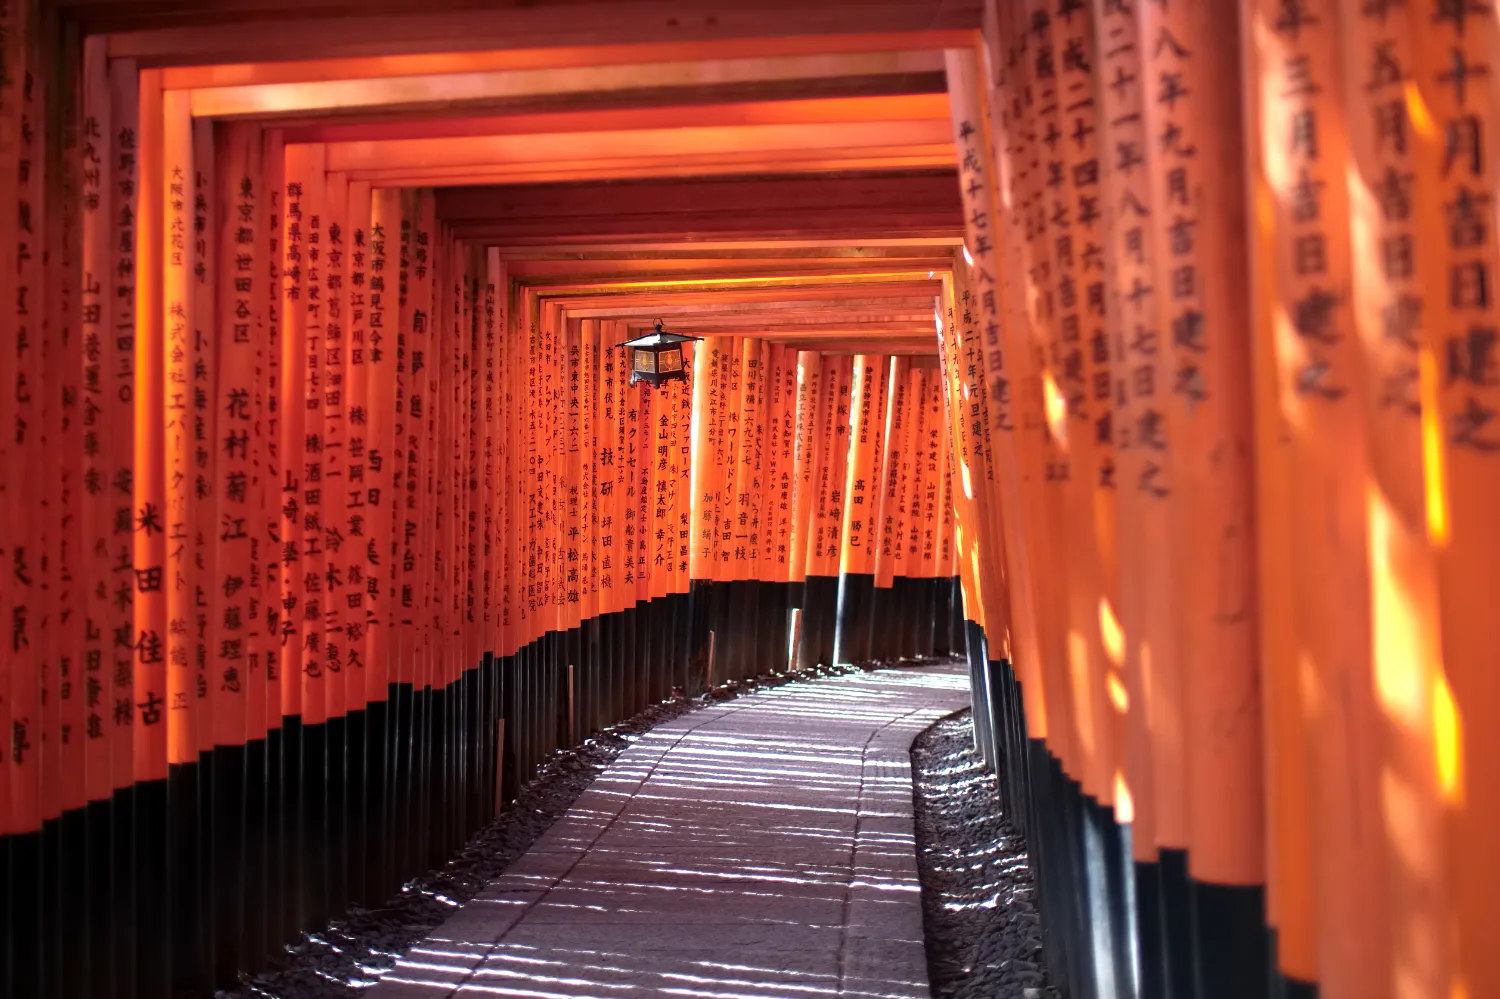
[{"x": 657, "y": 339}]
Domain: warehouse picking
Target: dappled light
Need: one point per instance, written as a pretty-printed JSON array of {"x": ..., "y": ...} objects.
[{"x": 778, "y": 826}]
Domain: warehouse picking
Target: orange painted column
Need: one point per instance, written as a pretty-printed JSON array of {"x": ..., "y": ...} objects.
[
  {"x": 100, "y": 406},
  {"x": 930, "y": 454},
  {"x": 729, "y": 444},
  {"x": 1453, "y": 113},
  {"x": 1140, "y": 432},
  {"x": 946, "y": 568},
  {"x": 638, "y": 431},
  {"x": 152, "y": 694},
  {"x": 28, "y": 600},
  {"x": 236, "y": 605},
  {"x": 475, "y": 469},
  {"x": 344, "y": 686},
  {"x": 700, "y": 549},
  {"x": 269, "y": 248},
  {"x": 645, "y": 404},
  {"x": 909, "y": 543},
  {"x": 416, "y": 522},
  {"x": 493, "y": 438},
  {"x": 302, "y": 484},
  {"x": 120, "y": 379},
  {"x": 507, "y": 461},
  {"x": 1198, "y": 226},
  {"x": 783, "y": 486},
  {"x": 362, "y": 505},
  {"x": 623, "y": 402},
  {"x": 909, "y": 478},
  {"x": 574, "y": 427},
  {"x": 588, "y": 401},
  {"x": 381, "y": 467},
  {"x": 404, "y": 626},
  {"x": 862, "y": 485},
  {"x": 744, "y": 528},
  {"x": 976, "y": 358},
  {"x": 726, "y": 441},
  {"x": 683, "y": 464},
  {"x": 203, "y": 381},
  {"x": 1302, "y": 231},
  {"x": 998, "y": 315},
  {"x": 65, "y": 364},
  {"x": 758, "y": 414},
  {"x": 896, "y": 419},
  {"x": 15, "y": 602},
  {"x": 999, "y": 186},
  {"x": 660, "y": 533},
  {"x": 804, "y": 460},
  {"x": 180, "y": 577},
  {"x": 1040, "y": 174},
  {"x": 773, "y": 418},
  {"x": 839, "y": 466},
  {"x": 46, "y": 523},
  {"x": 1083, "y": 378},
  {"x": 959, "y": 426}
]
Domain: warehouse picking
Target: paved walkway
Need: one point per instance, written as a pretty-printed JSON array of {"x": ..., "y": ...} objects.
[{"x": 757, "y": 849}]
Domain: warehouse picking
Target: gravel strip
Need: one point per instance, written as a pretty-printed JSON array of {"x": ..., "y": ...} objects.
[
  {"x": 984, "y": 937},
  {"x": 352, "y": 952}
]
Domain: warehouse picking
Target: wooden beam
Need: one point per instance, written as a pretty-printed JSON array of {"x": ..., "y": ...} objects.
[
  {"x": 867, "y": 107},
  {"x": 766, "y": 144},
  {"x": 723, "y": 163},
  {"x": 324, "y": 68},
  {"x": 199, "y": 35},
  {"x": 446, "y": 90},
  {"x": 646, "y": 210}
]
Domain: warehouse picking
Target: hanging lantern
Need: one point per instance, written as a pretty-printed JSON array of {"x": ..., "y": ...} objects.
[{"x": 657, "y": 356}]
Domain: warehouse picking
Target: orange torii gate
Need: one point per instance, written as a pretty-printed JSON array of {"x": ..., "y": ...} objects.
[{"x": 329, "y": 511}]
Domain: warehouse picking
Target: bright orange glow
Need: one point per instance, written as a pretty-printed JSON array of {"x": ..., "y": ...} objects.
[
  {"x": 1447, "y": 732},
  {"x": 1124, "y": 803},
  {"x": 1118, "y": 696},
  {"x": 1416, "y": 110},
  {"x": 1309, "y": 684},
  {"x": 1398, "y": 629},
  {"x": 1057, "y": 409},
  {"x": 1434, "y": 473},
  {"x": 1083, "y": 713},
  {"x": 1109, "y": 631}
]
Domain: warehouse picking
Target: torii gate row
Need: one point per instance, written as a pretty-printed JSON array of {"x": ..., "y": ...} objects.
[{"x": 1158, "y": 338}]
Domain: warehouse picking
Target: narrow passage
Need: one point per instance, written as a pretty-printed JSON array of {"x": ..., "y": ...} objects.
[{"x": 756, "y": 849}]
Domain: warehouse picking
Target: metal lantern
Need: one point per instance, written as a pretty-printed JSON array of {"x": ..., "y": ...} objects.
[{"x": 657, "y": 356}]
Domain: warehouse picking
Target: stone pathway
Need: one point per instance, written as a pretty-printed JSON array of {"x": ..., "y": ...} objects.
[{"x": 757, "y": 849}]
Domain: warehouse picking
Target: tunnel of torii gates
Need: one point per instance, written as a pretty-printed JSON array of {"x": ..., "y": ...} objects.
[{"x": 1145, "y": 353}]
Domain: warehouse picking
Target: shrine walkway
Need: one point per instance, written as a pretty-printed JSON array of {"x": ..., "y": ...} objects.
[{"x": 755, "y": 849}]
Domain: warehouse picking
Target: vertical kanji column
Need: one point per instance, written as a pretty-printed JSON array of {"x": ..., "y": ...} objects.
[
  {"x": 1198, "y": 226},
  {"x": 1306, "y": 317},
  {"x": 1392, "y": 284},
  {"x": 1455, "y": 78},
  {"x": 860, "y": 516},
  {"x": 1142, "y": 474}
]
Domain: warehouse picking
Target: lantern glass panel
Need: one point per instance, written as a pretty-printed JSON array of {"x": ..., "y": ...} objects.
[
  {"x": 645, "y": 361},
  {"x": 670, "y": 359}
]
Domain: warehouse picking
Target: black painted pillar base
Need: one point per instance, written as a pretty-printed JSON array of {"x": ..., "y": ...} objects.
[
  {"x": 956, "y": 618},
  {"x": 1150, "y": 938},
  {"x": 1229, "y": 943},
  {"x": 1177, "y": 923},
  {"x": 852, "y": 639}
]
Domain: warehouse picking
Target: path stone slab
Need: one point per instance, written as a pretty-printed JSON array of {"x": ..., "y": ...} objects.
[{"x": 760, "y": 849}]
